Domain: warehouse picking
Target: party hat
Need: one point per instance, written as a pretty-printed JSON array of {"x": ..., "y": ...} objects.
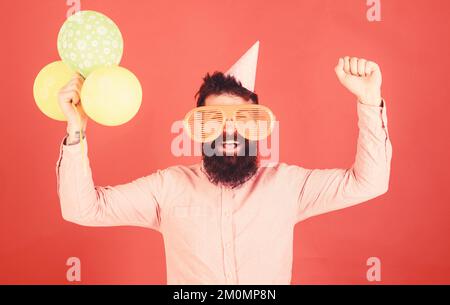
[{"x": 244, "y": 70}]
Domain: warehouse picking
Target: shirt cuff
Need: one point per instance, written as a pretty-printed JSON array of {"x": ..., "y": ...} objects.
[{"x": 74, "y": 149}]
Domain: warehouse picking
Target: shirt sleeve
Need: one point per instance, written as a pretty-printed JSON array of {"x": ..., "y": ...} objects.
[
  {"x": 325, "y": 190},
  {"x": 135, "y": 203}
]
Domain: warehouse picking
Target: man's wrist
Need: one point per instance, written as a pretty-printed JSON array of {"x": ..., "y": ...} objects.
[
  {"x": 74, "y": 137},
  {"x": 372, "y": 100}
]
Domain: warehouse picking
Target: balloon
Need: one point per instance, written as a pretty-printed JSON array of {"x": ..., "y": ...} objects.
[
  {"x": 47, "y": 84},
  {"x": 88, "y": 40},
  {"x": 111, "y": 96}
]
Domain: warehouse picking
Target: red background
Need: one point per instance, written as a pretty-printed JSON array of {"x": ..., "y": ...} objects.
[{"x": 170, "y": 45}]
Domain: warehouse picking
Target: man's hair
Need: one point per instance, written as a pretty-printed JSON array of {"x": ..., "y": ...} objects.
[{"x": 219, "y": 83}]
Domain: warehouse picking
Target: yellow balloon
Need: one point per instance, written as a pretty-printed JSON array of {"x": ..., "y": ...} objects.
[
  {"x": 46, "y": 86},
  {"x": 111, "y": 96}
]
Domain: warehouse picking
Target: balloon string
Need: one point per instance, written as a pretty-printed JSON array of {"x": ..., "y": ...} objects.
[{"x": 83, "y": 158}]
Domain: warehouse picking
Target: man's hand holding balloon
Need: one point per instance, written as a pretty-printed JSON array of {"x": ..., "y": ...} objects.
[
  {"x": 91, "y": 46},
  {"x": 70, "y": 103}
]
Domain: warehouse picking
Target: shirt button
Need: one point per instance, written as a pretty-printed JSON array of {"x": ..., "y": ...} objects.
[
  {"x": 228, "y": 245},
  {"x": 227, "y": 214}
]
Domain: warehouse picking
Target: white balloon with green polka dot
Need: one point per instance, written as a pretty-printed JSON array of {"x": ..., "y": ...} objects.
[{"x": 89, "y": 40}]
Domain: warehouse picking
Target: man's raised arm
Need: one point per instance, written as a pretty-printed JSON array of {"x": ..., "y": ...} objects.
[
  {"x": 134, "y": 203},
  {"x": 325, "y": 190}
]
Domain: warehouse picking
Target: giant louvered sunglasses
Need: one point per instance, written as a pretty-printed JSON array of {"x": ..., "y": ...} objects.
[{"x": 206, "y": 123}]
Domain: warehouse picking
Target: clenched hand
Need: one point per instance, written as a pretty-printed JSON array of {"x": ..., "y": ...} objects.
[{"x": 361, "y": 77}]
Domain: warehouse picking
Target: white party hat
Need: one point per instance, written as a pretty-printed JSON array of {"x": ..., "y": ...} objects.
[{"x": 244, "y": 70}]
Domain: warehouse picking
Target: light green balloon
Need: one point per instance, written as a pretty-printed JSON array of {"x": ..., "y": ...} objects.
[{"x": 89, "y": 40}]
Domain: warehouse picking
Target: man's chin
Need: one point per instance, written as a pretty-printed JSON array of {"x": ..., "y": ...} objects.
[{"x": 231, "y": 171}]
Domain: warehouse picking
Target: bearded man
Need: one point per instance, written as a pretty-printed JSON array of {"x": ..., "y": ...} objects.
[{"x": 227, "y": 219}]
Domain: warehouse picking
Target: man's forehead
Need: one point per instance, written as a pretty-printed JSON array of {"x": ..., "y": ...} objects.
[{"x": 225, "y": 99}]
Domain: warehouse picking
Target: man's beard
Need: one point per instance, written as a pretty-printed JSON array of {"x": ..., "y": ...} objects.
[{"x": 231, "y": 171}]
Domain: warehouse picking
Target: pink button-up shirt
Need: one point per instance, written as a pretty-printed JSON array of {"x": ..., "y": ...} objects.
[{"x": 216, "y": 235}]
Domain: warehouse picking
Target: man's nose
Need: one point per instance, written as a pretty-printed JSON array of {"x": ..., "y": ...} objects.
[{"x": 229, "y": 128}]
